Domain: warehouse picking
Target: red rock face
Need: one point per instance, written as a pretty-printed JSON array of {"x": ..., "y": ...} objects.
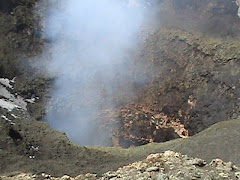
[
  {"x": 140, "y": 125},
  {"x": 193, "y": 76}
]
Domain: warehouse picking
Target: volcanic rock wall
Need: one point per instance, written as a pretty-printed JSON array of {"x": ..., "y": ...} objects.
[{"x": 190, "y": 67}]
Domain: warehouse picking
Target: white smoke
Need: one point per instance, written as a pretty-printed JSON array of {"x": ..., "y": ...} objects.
[
  {"x": 90, "y": 44},
  {"x": 238, "y": 3}
]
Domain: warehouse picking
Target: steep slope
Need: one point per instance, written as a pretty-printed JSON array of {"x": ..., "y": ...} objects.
[
  {"x": 195, "y": 78},
  {"x": 20, "y": 40},
  {"x": 32, "y": 147},
  {"x": 189, "y": 76}
]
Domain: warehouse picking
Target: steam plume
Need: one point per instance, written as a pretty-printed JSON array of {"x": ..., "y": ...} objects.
[{"x": 91, "y": 39}]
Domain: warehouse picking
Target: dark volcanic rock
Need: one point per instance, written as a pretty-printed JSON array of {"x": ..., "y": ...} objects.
[
  {"x": 195, "y": 77},
  {"x": 188, "y": 72}
]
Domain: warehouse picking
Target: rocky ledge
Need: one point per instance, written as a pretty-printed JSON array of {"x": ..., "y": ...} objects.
[{"x": 163, "y": 166}]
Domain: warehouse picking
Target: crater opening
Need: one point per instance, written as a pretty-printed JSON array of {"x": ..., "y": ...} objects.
[{"x": 92, "y": 59}]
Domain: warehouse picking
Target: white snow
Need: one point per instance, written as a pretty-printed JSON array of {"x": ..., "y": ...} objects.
[
  {"x": 13, "y": 80},
  {"x": 31, "y": 157},
  {"x": 10, "y": 101},
  {"x": 13, "y": 115},
  {"x": 32, "y": 100},
  {"x": 5, "y": 93},
  {"x": 4, "y": 117},
  {"x": 6, "y": 82},
  {"x": 34, "y": 148},
  {"x": 7, "y": 105}
]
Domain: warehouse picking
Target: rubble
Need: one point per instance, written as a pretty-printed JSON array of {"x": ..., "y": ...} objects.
[{"x": 165, "y": 166}]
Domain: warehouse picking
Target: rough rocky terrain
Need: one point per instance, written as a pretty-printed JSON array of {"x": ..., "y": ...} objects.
[
  {"x": 166, "y": 166},
  {"x": 192, "y": 86},
  {"x": 35, "y": 148},
  {"x": 189, "y": 71}
]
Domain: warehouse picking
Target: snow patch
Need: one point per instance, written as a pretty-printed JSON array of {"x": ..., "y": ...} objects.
[
  {"x": 7, "y": 105},
  {"x": 8, "y": 100},
  {"x": 13, "y": 115},
  {"x": 4, "y": 117},
  {"x": 32, "y": 100},
  {"x": 6, "y": 82},
  {"x": 31, "y": 157}
]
